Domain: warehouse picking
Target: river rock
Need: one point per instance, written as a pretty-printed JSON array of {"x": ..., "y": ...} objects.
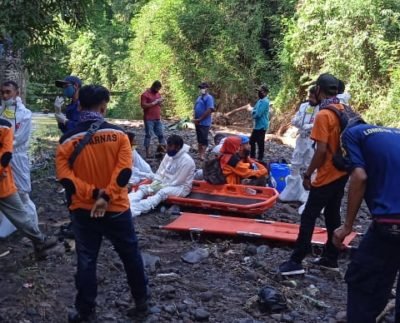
[
  {"x": 154, "y": 310},
  {"x": 195, "y": 256},
  {"x": 250, "y": 250},
  {"x": 201, "y": 315},
  {"x": 171, "y": 309},
  {"x": 206, "y": 296},
  {"x": 150, "y": 262},
  {"x": 341, "y": 316},
  {"x": 262, "y": 250}
]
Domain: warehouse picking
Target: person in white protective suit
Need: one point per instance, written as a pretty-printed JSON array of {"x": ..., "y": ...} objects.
[
  {"x": 141, "y": 170},
  {"x": 343, "y": 96},
  {"x": 174, "y": 177},
  {"x": 20, "y": 117},
  {"x": 303, "y": 151}
]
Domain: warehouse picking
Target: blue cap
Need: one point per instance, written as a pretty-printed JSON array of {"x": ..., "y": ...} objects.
[
  {"x": 69, "y": 80},
  {"x": 245, "y": 139}
]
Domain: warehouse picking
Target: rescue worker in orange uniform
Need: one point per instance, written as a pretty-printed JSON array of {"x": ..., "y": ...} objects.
[
  {"x": 10, "y": 201},
  {"x": 235, "y": 167},
  {"x": 96, "y": 187}
]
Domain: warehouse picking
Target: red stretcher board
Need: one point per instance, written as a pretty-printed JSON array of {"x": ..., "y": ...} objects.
[
  {"x": 246, "y": 199},
  {"x": 234, "y": 226}
]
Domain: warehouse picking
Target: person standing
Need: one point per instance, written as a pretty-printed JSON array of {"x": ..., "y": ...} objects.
[
  {"x": 10, "y": 202},
  {"x": 260, "y": 115},
  {"x": 70, "y": 85},
  {"x": 13, "y": 110},
  {"x": 151, "y": 101},
  {"x": 303, "y": 150},
  {"x": 203, "y": 108},
  {"x": 373, "y": 153},
  {"x": 98, "y": 201},
  {"x": 327, "y": 189}
]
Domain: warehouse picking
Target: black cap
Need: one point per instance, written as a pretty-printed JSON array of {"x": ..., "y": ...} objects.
[
  {"x": 263, "y": 87},
  {"x": 328, "y": 84},
  {"x": 341, "y": 87},
  {"x": 203, "y": 85},
  {"x": 69, "y": 80}
]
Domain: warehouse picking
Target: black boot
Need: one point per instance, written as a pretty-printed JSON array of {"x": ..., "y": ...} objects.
[
  {"x": 76, "y": 317},
  {"x": 41, "y": 247}
]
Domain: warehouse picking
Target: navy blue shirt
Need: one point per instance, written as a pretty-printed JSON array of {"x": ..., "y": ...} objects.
[
  {"x": 72, "y": 114},
  {"x": 377, "y": 151}
]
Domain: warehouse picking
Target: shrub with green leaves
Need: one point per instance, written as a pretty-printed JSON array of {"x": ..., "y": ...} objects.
[
  {"x": 355, "y": 40},
  {"x": 184, "y": 42}
]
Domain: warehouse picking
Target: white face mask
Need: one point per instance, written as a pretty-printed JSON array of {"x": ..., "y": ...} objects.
[
  {"x": 203, "y": 91},
  {"x": 8, "y": 103}
]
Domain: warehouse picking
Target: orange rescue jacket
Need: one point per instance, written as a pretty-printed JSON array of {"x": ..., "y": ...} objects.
[
  {"x": 236, "y": 171},
  {"x": 7, "y": 185},
  {"x": 105, "y": 163}
]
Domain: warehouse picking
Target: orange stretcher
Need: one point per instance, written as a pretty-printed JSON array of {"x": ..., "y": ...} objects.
[
  {"x": 234, "y": 226},
  {"x": 251, "y": 200}
]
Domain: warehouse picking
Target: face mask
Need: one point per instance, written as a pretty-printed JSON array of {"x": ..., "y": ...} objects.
[
  {"x": 9, "y": 103},
  {"x": 172, "y": 153},
  {"x": 203, "y": 91},
  {"x": 69, "y": 91}
]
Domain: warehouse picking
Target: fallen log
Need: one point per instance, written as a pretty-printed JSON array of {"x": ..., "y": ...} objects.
[{"x": 243, "y": 108}]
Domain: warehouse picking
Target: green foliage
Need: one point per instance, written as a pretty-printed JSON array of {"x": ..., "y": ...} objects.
[
  {"x": 356, "y": 40},
  {"x": 385, "y": 110},
  {"x": 184, "y": 42},
  {"x": 28, "y": 22},
  {"x": 232, "y": 44}
]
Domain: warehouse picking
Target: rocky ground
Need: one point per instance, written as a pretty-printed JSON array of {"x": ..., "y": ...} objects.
[{"x": 223, "y": 287}]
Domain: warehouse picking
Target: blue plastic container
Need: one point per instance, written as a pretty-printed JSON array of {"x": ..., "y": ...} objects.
[{"x": 279, "y": 173}]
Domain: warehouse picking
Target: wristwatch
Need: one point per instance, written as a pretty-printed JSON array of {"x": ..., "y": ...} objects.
[{"x": 306, "y": 176}]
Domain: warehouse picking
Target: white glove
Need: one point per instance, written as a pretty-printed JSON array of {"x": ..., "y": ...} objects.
[
  {"x": 58, "y": 103},
  {"x": 308, "y": 126},
  {"x": 61, "y": 118},
  {"x": 146, "y": 175},
  {"x": 155, "y": 186}
]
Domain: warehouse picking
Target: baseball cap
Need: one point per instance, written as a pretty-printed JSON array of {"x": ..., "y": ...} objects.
[
  {"x": 245, "y": 139},
  {"x": 341, "y": 87},
  {"x": 69, "y": 80},
  {"x": 328, "y": 83},
  {"x": 263, "y": 87},
  {"x": 203, "y": 85}
]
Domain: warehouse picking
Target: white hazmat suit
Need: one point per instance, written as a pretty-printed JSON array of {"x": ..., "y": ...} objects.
[
  {"x": 174, "y": 177},
  {"x": 302, "y": 154},
  {"x": 140, "y": 170},
  {"x": 21, "y": 120},
  {"x": 344, "y": 97}
]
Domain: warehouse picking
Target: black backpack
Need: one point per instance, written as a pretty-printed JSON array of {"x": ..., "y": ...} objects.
[
  {"x": 347, "y": 118},
  {"x": 212, "y": 172}
]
